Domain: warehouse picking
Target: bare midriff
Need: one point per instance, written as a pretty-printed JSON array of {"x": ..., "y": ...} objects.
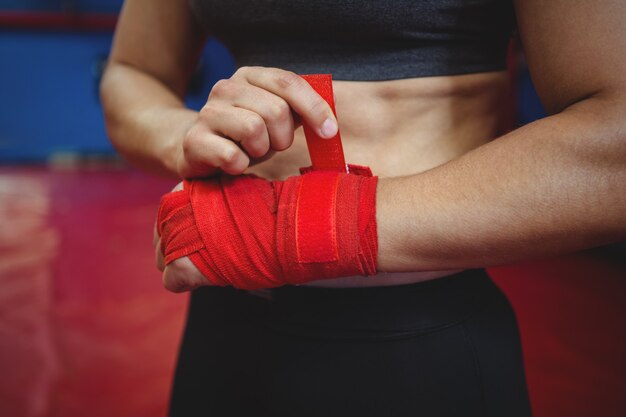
[{"x": 401, "y": 128}]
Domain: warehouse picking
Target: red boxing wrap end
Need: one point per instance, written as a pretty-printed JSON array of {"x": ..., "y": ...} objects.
[
  {"x": 327, "y": 226},
  {"x": 251, "y": 233}
]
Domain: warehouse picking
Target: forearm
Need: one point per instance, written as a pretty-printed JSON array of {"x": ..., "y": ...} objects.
[
  {"x": 145, "y": 120},
  {"x": 554, "y": 186}
]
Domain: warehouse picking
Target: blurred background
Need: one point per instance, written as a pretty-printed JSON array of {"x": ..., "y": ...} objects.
[{"x": 86, "y": 328}]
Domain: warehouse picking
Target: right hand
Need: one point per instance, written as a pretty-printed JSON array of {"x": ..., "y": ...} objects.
[{"x": 247, "y": 118}]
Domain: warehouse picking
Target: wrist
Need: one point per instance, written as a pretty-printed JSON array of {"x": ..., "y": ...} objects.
[
  {"x": 396, "y": 225},
  {"x": 168, "y": 146},
  {"x": 385, "y": 231}
]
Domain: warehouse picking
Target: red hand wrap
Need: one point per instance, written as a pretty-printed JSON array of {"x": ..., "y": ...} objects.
[{"x": 251, "y": 233}]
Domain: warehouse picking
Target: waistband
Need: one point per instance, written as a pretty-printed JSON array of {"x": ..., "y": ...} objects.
[{"x": 420, "y": 307}]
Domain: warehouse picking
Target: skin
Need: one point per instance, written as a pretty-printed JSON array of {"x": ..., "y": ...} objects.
[{"x": 449, "y": 197}]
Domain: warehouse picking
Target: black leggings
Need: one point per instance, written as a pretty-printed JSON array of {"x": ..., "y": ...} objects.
[{"x": 447, "y": 347}]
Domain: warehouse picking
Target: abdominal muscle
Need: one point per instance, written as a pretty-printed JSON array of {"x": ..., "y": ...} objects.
[{"x": 401, "y": 128}]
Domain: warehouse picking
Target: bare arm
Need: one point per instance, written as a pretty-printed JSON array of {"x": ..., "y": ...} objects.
[
  {"x": 554, "y": 186},
  {"x": 156, "y": 48}
]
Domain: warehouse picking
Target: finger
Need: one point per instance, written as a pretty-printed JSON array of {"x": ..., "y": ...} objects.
[
  {"x": 202, "y": 149},
  {"x": 241, "y": 125},
  {"x": 155, "y": 234},
  {"x": 182, "y": 275},
  {"x": 158, "y": 255},
  {"x": 272, "y": 109},
  {"x": 298, "y": 93},
  {"x": 173, "y": 282}
]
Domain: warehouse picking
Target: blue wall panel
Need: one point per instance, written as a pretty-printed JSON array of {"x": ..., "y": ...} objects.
[
  {"x": 31, "y": 5},
  {"x": 108, "y": 6},
  {"x": 49, "y": 92},
  {"x": 529, "y": 105}
]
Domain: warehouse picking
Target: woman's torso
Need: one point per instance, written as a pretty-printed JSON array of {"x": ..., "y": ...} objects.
[{"x": 421, "y": 82}]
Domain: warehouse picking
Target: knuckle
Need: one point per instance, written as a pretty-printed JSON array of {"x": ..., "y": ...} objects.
[
  {"x": 279, "y": 110},
  {"x": 242, "y": 71},
  {"x": 209, "y": 111},
  {"x": 253, "y": 127},
  {"x": 190, "y": 140},
  {"x": 287, "y": 79},
  {"x": 318, "y": 104},
  {"x": 281, "y": 143},
  {"x": 221, "y": 88},
  {"x": 228, "y": 156}
]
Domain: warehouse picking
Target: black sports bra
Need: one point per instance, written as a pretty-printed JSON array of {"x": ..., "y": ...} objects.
[{"x": 363, "y": 40}]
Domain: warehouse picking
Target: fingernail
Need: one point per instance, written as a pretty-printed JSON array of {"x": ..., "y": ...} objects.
[{"x": 329, "y": 129}]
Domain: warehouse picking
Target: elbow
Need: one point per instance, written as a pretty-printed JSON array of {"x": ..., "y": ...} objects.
[
  {"x": 107, "y": 100},
  {"x": 117, "y": 104},
  {"x": 599, "y": 138},
  {"x": 600, "y": 123}
]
